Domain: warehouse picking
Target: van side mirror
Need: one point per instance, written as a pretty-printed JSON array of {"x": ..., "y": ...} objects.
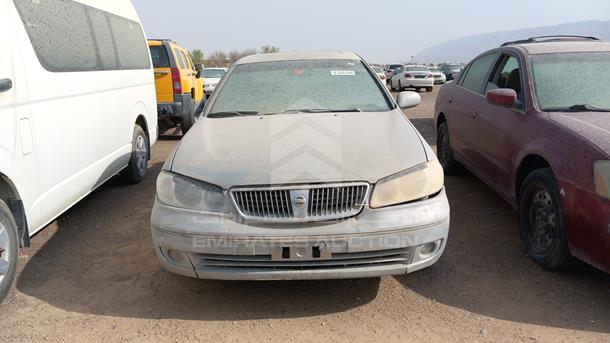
[
  {"x": 199, "y": 67},
  {"x": 408, "y": 99},
  {"x": 198, "y": 75},
  {"x": 502, "y": 97}
]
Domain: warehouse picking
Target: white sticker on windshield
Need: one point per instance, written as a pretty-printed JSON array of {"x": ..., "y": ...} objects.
[{"x": 342, "y": 73}]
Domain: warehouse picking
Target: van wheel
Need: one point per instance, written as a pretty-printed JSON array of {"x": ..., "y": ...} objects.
[
  {"x": 137, "y": 168},
  {"x": 443, "y": 150},
  {"x": 9, "y": 246},
  {"x": 541, "y": 221}
]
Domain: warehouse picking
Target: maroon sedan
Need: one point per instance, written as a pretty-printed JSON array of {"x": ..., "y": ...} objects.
[{"x": 532, "y": 120}]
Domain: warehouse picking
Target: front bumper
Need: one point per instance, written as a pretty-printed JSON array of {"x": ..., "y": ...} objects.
[{"x": 390, "y": 241}]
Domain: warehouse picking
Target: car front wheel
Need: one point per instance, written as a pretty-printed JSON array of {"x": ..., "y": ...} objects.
[
  {"x": 9, "y": 245},
  {"x": 541, "y": 221}
]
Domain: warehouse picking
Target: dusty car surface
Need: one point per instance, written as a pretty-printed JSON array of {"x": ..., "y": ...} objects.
[
  {"x": 531, "y": 119},
  {"x": 302, "y": 167}
]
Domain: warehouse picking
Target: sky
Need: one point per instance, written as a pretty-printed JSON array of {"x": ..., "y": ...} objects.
[{"x": 381, "y": 31}]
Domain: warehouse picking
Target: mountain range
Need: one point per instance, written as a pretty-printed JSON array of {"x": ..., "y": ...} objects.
[{"x": 466, "y": 48}]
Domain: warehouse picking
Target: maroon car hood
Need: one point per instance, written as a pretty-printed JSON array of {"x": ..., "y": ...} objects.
[{"x": 593, "y": 126}]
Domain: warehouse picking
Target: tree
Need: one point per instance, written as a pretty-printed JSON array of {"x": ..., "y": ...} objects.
[
  {"x": 217, "y": 59},
  {"x": 268, "y": 49},
  {"x": 197, "y": 56}
]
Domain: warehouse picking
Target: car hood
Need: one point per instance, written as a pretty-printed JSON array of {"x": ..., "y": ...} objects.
[
  {"x": 211, "y": 81},
  {"x": 591, "y": 125},
  {"x": 299, "y": 148}
]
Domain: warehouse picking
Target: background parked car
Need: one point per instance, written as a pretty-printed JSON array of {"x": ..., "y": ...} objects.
[
  {"x": 531, "y": 120},
  {"x": 212, "y": 77},
  {"x": 391, "y": 70},
  {"x": 451, "y": 71},
  {"x": 179, "y": 85},
  {"x": 75, "y": 84},
  {"x": 439, "y": 77},
  {"x": 380, "y": 73},
  {"x": 413, "y": 76}
]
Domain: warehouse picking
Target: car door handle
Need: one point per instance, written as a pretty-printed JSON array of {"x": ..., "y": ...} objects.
[
  {"x": 5, "y": 85},
  {"x": 451, "y": 100},
  {"x": 475, "y": 115},
  {"x": 162, "y": 73}
]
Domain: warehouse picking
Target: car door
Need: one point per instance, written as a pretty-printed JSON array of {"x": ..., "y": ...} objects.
[
  {"x": 495, "y": 126},
  {"x": 463, "y": 107}
]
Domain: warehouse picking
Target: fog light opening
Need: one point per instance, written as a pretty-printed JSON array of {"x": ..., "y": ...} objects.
[
  {"x": 428, "y": 249},
  {"x": 175, "y": 256}
]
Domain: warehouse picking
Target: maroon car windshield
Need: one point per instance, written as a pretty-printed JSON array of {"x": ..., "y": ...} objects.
[{"x": 572, "y": 81}]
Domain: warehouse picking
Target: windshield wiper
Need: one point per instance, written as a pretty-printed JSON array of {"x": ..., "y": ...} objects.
[
  {"x": 228, "y": 114},
  {"x": 578, "y": 108},
  {"x": 319, "y": 110}
]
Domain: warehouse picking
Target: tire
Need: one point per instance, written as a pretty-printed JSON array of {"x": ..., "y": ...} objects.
[
  {"x": 429, "y": 89},
  {"x": 9, "y": 249},
  {"x": 542, "y": 223},
  {"x": 187, "y": 122},
  {"x": 137, "y": 168},
  {"x": 443, "y": 150},
  {"x": 400, "y": 88}
]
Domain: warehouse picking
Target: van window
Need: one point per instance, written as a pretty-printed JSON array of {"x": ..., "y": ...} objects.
[
  {"x": 103, "y": 39},
  {"x": 188, "y": 63},
  {"x": 68, "y": 36},
  {"x": 130, "y": 43}
]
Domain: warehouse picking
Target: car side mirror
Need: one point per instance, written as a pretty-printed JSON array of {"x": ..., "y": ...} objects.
[
  {"x": 502, "y": 97},
  {"x": 408, "y": 99},
  {"x": 198, "y": 75},
  {"x": 199, "y": 67}
]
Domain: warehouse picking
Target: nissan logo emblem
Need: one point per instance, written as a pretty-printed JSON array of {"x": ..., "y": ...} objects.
[{"x": 299, "y": 201}]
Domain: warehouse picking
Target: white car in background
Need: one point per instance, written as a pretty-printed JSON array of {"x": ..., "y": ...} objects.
[
  {"x": 251, "y": 194},
  {"x": 380, "y": 73},
  {"x": 77, "y": 106},
  {"x": 413, "y": 76},
  {"x": 439, "y": 77},
  {"x": 211, "y": 78},
  {"x": 391, "y": 70}
]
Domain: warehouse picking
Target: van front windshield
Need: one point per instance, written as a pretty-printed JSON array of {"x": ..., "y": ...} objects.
[{"x": 300, "y": 86}]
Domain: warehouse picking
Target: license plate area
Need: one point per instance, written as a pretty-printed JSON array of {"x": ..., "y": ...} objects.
[{"x": 301, "y": 252}]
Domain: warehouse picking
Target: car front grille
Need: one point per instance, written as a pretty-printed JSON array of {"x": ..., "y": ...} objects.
[
  {"x": 307, "y": 203},
  {"x": 265, "y": 263}
]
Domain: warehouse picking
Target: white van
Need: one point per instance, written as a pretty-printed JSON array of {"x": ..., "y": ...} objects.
[{"x": 77, "y": 106}]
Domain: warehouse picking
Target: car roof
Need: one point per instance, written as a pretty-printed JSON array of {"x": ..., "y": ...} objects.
[
  {"x": 564, "y": 47},
  {"x": 298, "y": 55}
]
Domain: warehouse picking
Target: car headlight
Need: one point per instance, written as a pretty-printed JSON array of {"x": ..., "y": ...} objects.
[
  {"x": 601, "y": 177},
  {"x": 412, "y": 184},
  {"x": 183, "y": 192}
]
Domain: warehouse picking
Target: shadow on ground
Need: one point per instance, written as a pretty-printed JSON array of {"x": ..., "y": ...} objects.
[{"x": 101, "y": 261}]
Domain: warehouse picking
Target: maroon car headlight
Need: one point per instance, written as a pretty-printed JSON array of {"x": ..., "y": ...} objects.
[{"x": 601, "y": 177}]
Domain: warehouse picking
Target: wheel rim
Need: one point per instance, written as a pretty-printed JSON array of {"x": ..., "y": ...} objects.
[
  {"x": 542, "y": 221},
  {"x": 141, "y": 153},
  {"x": 5, "y": 251}
]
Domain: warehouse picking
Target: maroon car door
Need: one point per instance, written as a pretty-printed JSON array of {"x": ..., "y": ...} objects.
[
  {"x": 464, "y": 104},
  {"x": 496, "y": 127}
]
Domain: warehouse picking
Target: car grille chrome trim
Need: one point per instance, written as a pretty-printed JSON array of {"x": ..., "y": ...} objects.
[{"x": 315, "y": 202}]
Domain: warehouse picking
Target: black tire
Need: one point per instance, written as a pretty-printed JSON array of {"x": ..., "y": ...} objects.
[
  {"x": 9, "y": 249},
  {"x": 428, "y": 89},
  {"x": 541, "y": 221},
  {"x": 443, "y": 150},
  {"x": 187, "y": 122},
  {"x": 137, "y": 168}
]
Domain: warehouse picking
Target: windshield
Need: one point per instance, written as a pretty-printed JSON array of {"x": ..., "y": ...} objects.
[
  {"x": 455, "y": 67},
  {"x": 568, "y": 79},
  {"x": 395, "y": 66},
  {"x": 213, "y": 73},
  {"x": 416, "y": 69},
  {"x": 304, "y": 85},
  {"x": 433, "y": 69},
  {"x": 377, "y": 70}
]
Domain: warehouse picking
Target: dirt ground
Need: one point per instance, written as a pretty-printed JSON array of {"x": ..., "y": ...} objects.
[{"x": 93, "y": 276}]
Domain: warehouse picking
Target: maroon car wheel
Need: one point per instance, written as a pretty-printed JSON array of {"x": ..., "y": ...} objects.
[
  {"x": 542, "y": 222},
  {"x": 443, "y": 150}
]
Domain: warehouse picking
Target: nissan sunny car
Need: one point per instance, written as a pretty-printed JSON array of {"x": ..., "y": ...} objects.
[{"x": 302, "y": 166}]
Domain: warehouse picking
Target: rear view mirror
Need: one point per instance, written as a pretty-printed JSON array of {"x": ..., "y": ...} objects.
[
  {"x": 408, "y": 99},
  {"x": 502, "y": 97}
]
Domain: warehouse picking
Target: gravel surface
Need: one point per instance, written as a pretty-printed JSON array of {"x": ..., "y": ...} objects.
[{"x": 92, "y": 275}]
